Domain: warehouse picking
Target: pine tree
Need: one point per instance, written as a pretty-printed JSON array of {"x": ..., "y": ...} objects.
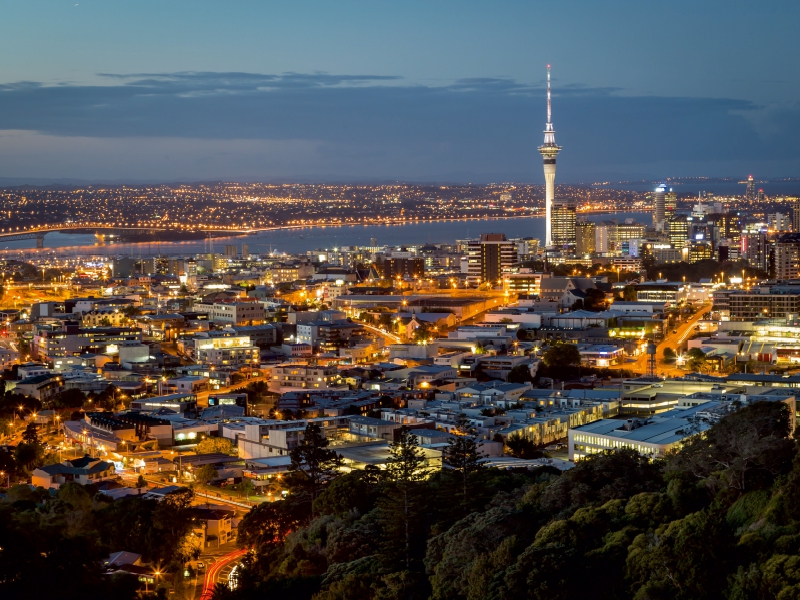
[
  {"x": 405, "y": 470},
  {"x": 313, "y": 465},
  {"x": 464, "y": 458}
]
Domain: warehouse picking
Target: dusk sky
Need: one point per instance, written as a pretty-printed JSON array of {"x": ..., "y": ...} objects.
[{"x": 422, "y": 91}]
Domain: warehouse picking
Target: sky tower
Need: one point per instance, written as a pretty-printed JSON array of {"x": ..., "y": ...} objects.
[{"x": 549, "y": 150}]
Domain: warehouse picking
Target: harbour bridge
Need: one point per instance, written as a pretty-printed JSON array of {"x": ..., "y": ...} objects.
[{"x": 121, "y": 232}]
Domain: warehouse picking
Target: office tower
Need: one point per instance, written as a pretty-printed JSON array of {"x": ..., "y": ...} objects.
[
  {"x": 678, "y": 229},
  {"x": 549, "y": 150},
  {"x": 786, "y": 257},
  {"x": 584, "y": 237},
  {"x": 697, "y": 250},
  {"x": 670, "y": 204},
  {"x": 604, "y": 233},
  {"x": 629, "y": 230},
  {"x": 761, "y": 197},
  {"x": 611, "y": 236},
  {"x": 731, "y": 226},
  {"x": 750, "y": 192},
  {"x": 489, "y": 257},
  {"x": 563, "y": 231},
  {"x": 231, "y": 251},
  {"x": 659, "y": 207},
  {"x": 245, "y": 251}
]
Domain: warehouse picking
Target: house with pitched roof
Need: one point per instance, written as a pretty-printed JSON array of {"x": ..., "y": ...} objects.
[{"x": 84, "y": 470}]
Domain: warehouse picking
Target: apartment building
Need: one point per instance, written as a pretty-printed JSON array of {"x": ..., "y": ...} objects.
[
  {"x": 288, "y": 378},
  {"x": 489, "y": 257},
  {"x": 777, "y": 301},
  {"x": 231, "y": 350},
  {"x": 234, "y": 311}
]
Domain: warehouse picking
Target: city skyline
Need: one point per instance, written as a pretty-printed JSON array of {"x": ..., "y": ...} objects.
[{"x": 207, "y": 94}]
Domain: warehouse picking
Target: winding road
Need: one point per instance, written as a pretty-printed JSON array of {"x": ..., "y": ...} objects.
[{"x": 212, "y": 574}]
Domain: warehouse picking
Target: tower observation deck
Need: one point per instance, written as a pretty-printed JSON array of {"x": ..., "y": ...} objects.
[{"x": 549, "y": 150}]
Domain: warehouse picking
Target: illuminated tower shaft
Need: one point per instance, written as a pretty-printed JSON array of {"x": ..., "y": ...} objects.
[{"x": 549, "y": 150}]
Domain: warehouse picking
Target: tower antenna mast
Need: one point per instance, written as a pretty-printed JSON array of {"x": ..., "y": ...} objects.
[{"x": 549, "y": 150}]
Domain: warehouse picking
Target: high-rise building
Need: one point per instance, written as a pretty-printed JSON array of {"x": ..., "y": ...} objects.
[
  {"x": 670, "y": 204},
  {"x": 584, "y": 237},
  {"x": 786, "y": 257},
  {"x": 489, "y": 257},
  {"x": 729, "y": 224},
  {"x": 549, "y": 150},
  {"x": 756, "y": 249},
  {"x": 563, "y": 216},
  {"x": 796, "y": 216},
  {"x": 761, "y": 197},
  {"x": 659, "y": 207},
  {"x": 750, "y": 192}
]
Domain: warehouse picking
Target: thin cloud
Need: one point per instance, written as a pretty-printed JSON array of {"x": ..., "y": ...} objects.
[{"x": 475, "y": 124}]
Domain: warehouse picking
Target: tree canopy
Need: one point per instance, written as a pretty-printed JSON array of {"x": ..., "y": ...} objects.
[{"x": 562, "y": 355}]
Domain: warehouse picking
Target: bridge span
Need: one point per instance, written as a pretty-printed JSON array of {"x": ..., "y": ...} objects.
[{"x": 39, "y": 233}]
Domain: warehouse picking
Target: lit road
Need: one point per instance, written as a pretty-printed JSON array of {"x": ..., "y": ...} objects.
[
  {"x": 216, "y": 569},
  {"x": 385, "y": 334},
  {"x": 671, "y": 340}
]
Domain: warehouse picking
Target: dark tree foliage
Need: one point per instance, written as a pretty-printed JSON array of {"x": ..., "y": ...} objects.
[
  {"x": 595, "y": 300},
  {"x": 562, "y": 355},
  {"x": 268, "y": 524},
  {"x": 355, "y": 491},
  {"x": 313, "y": 466},
  {"x": 151, "y": 528},
  {"x": 401, "y": 507},
  {"x": 72, "y": 398},
  {"x": 31, "y": 434},
  {"x": 519, "y": 374},
  {"x": 603, "y": 477},
  {"x": 745, "y": 451},
  {"x": 53, "y": 546},
  {"x": 463, "y": 457},
  {"x": 522, "y": 447}
]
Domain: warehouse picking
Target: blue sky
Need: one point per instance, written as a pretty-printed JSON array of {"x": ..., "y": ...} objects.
[{"x": 372, "y": 90}]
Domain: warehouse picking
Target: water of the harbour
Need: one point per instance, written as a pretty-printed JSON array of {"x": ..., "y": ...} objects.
[{"x": 298, "y": 241}]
